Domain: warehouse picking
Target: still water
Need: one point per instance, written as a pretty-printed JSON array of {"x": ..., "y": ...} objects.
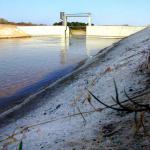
[{"x": 27, "y": 61}]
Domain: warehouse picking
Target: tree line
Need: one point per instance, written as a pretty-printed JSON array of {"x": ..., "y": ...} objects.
[{"x": 4, "y": 21}]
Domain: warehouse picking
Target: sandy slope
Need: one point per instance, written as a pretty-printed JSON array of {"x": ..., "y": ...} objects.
[
  {"x": 52, "y": 121},
  {"x": 11, "y": 31}
]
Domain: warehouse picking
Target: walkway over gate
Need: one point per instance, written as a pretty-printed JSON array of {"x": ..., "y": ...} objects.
[{"x": 64, "y": 17}]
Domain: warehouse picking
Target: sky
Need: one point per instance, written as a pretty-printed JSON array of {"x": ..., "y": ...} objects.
[{"x": 104, "y": 12}]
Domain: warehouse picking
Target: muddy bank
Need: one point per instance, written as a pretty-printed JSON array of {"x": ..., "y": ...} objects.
[
  {"x": 61, "y": 116},
  {"x": 7, "y": 103},
  {"x": 76, "y": 32}
]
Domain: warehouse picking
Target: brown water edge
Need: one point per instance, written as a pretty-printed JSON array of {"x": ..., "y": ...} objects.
[
  {"x": 16, "y": 37},
  {"x": 17, "y": 98},
  {"x": 77, "y": 32}
]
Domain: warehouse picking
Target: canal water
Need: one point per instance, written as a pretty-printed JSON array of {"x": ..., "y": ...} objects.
[{"x": 30, "y": 63}]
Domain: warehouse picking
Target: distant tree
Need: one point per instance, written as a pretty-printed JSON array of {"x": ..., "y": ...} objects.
[
  {"x": 73, "y": 25},
  {"x": 57, "y": 23},
  {"x": 3, "y": 21}
]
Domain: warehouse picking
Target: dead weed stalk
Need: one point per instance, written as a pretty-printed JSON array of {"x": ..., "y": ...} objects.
[{"x": 135, "y": 107}]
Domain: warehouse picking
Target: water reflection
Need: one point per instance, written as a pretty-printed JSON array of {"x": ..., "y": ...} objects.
[
  {"x": 93, "y": 44},
  {"x": 26, "y": 61},
  {"x": 64, "y": 50}
]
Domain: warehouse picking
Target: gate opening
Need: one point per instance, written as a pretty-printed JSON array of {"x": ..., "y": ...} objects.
[{"x": 73, "y": 29}]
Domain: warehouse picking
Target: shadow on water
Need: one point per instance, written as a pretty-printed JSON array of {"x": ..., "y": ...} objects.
[{"x": 20, "y": 95}]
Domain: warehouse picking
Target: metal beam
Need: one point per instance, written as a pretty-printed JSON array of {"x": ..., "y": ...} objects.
[{"x": 65, "y": 16}]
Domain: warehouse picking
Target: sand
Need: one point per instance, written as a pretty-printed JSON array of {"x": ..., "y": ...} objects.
[{"x": 11, "y": 31}]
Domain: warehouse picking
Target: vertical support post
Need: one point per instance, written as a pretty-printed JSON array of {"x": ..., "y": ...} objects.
[
  {"x": 89, "y": 20},
  {"x": 65, "y": 20},
  {"x": 65, "y": 24},
  {"x": 63, "y": 17}
]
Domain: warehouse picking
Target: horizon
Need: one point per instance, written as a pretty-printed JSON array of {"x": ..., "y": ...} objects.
[{"x": 122, "y": 12}]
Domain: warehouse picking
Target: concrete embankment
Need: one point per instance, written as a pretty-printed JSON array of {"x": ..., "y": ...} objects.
[
  {"x": 61, "y": 117},
  {"x": 13, "y": 31},
  {"x": 45, "y": 30},
  {"x": 112, "y": 31}
]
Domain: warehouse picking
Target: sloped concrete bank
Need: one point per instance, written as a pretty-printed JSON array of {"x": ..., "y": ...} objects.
[
  {"x": 14, "y": 31},
  {"x": 61, "y": 118},
  {"x": 112, "y": 31},
  {"x": 11, "y": 31}
]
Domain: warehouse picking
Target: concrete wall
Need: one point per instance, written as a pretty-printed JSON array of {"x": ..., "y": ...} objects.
[
  {"x": 10, "y": 31},
  {"x": 13, "y": 31},
  {"x": 44, "y": 30},
  {"x": 112, "y": 31}
]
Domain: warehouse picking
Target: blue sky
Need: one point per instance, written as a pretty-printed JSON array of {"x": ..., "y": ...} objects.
[{"x": 132, "y": 12}]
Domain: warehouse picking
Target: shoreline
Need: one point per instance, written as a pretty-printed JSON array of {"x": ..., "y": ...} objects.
[{"x": 17, "y": 98}]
